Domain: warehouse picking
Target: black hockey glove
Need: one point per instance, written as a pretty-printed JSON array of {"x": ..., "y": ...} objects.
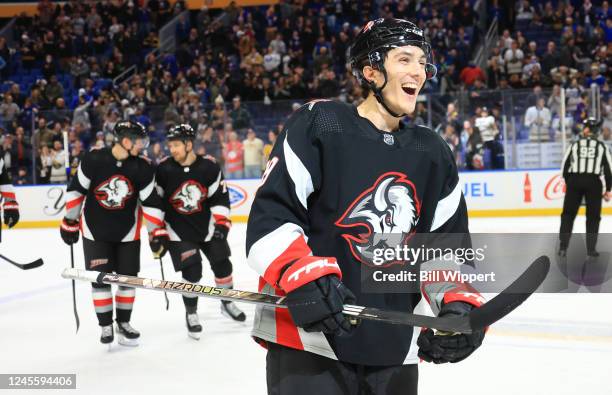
[
  {"x": 69, "y": 230},
  {"x": 443, "y": 347},
  {"x": 11, "y": 213},
  {"x": 317, "y": 306},
  {"x": 158, "y": 241},
  {"x": 221, "y": 232}
]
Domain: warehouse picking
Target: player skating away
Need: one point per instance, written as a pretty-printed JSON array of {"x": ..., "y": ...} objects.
[
  {"x": 196, "y": 204},
  {"x": 336, "y": 170},
  {"x": 9, "y": 201},
  {"x": 115, "y": 189}
]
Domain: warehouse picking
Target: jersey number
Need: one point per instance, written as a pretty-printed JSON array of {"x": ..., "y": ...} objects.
[
  {"x": 269, "y": 166},
  {"x": 587, "y": 152}
]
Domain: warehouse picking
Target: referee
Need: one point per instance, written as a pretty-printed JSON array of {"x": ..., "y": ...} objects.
[{"x": 584, "y": 162}]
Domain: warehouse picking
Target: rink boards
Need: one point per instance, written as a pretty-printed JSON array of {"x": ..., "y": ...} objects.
[{"x": 487, "y": 193}]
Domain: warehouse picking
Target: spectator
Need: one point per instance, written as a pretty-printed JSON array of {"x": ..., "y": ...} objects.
[
  {"x": 550, "y": 59},
  {"x": 595, "y": 77},
  {"x": 53, "y": 89},
  {"x": 80, "y": 71},
  {"x": 267, "y": 149},
  {"x": 22, "y": 176},
  {"x": 44, "y": 163},
  {"x": 218, "y": 114},
  {"x": 271, "y": 60},
  {"x": 58, "y": 171},
  {"x": 211, "y": 143},
  {"x": 253, "y": 155},
  {"x": 554, "y": 101},
  {"x": 513, "y": 58},
  {"x": 538, "y": 120},
  {"x": 471, "y": 73},
  {"x": 488, "y": 131},
  {"x": 241, "y": 118},
  {"x": 233, "y": 155},
  {"x": 21, "y": 150},
  {"x": 8, "y": 111}
]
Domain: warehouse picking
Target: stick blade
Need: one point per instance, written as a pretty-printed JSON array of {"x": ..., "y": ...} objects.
[
  {"x": 515, "y": 294},
  {"x": 37, "y": 263}
]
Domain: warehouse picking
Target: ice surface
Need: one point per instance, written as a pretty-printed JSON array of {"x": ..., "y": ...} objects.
[{"x": 553, "y": 344}]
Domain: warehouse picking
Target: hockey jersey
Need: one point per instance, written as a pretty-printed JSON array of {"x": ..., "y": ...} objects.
[
  {"x": 195, "y": 198},
  {"x": 115, "y": 197},
  {"x": 7, "y": 192},
  {"x": 333, "y": 182}
]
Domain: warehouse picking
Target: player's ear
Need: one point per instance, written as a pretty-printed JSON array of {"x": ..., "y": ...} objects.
[{"x": 370, "y": 73}]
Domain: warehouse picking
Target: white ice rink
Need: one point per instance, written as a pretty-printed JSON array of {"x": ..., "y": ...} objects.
[{"x": 552, "y": 344}]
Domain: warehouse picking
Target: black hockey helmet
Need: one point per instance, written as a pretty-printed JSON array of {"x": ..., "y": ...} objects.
[
  {"x": 593, "y": 124},
  {"x": 181, "y": 131},
  {"x": 132, "y": 130},
  {"x": 377, "y": 38}
]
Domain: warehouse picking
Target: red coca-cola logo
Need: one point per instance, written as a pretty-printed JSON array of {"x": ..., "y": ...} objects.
[{"x": 555, "y": 188}]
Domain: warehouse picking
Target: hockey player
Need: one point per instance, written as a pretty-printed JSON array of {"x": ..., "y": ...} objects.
[
  {"x": 339, "y": 177},
  {"x": 9, "y": 201},
  {"x": 116, "y": 189},
  {"x": 196, "y": 206},
  {"x": 584, "y": 162}
]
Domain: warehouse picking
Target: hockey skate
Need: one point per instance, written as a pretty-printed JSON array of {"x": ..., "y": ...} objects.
[
  {"x": 128, "y": 336},
  {"x": 108, "y": 335},
  {"x": 229, "y": 309},
  {"x": 194, "y": 328}
]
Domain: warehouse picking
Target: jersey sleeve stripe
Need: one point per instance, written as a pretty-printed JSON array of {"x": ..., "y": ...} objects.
[
  {"x": 215, "y": 185},
  {"x": 279, "y": 248},
  {"x": 446, "y": 208},
  {"x": 83, "y": 179},
  {"x": 299, "y": 174},
  {"x": 220, "y": 211},
  {"x": 146, "y": 191},
  {"x": 153, "y": 215},
  {"x": 75, "y": 200}
]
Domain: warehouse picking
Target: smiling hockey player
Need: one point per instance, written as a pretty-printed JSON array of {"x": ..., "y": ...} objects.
[
  {"x": 196, "y": 204},
  {"x": 335, "y": 165}
]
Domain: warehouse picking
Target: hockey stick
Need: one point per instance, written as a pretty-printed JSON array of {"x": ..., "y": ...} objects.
[
  {"x": 76, "y": 314},
  {"x": 479, "y": 318},
  {"x": 24, "y": 266},
  {"x": 67, "y": 168},
  {"x": 161, "y": 266}
]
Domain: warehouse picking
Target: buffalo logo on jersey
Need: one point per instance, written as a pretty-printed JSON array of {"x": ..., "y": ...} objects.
[
  {"x": 187, "y": 199},
  {"x": 114, "y": 192},
  {"x": 385, "y": 215}
]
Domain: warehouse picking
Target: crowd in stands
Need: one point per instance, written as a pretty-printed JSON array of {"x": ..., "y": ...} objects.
[{"x": 237, "y": 73}]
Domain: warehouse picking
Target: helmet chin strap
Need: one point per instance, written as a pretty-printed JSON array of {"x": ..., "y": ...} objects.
[{"x": 379, "y": 97}]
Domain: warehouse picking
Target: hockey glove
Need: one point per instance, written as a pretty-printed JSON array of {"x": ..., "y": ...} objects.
[
  {"x": 316, "y": 296},
  {"x": 69, "y": 230},
  {"x": 11, "y": 213},
  {"x": 442, "y": 347},
  {"x": 221, "y": 232},
  {"x": 158, "y": 241}
]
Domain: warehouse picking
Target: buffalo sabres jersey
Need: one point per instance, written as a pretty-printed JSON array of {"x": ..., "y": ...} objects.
[
  {"x": 195, "y": 198},
  {"x": 7, "y": 192},
  {"x": 116, "y": 196},
  {"x": 334, "y": 182}
]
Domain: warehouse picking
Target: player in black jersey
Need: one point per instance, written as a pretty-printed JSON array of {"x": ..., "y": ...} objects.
[
  {"x": 10, "y": 206},
  {"x": 339, "y": 180},
  {"x": 108, "y": 199},
  {"x": 196, "y": 206}
]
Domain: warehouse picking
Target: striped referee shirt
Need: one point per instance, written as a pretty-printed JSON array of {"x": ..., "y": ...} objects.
[{"x": 588, "y": 156}]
